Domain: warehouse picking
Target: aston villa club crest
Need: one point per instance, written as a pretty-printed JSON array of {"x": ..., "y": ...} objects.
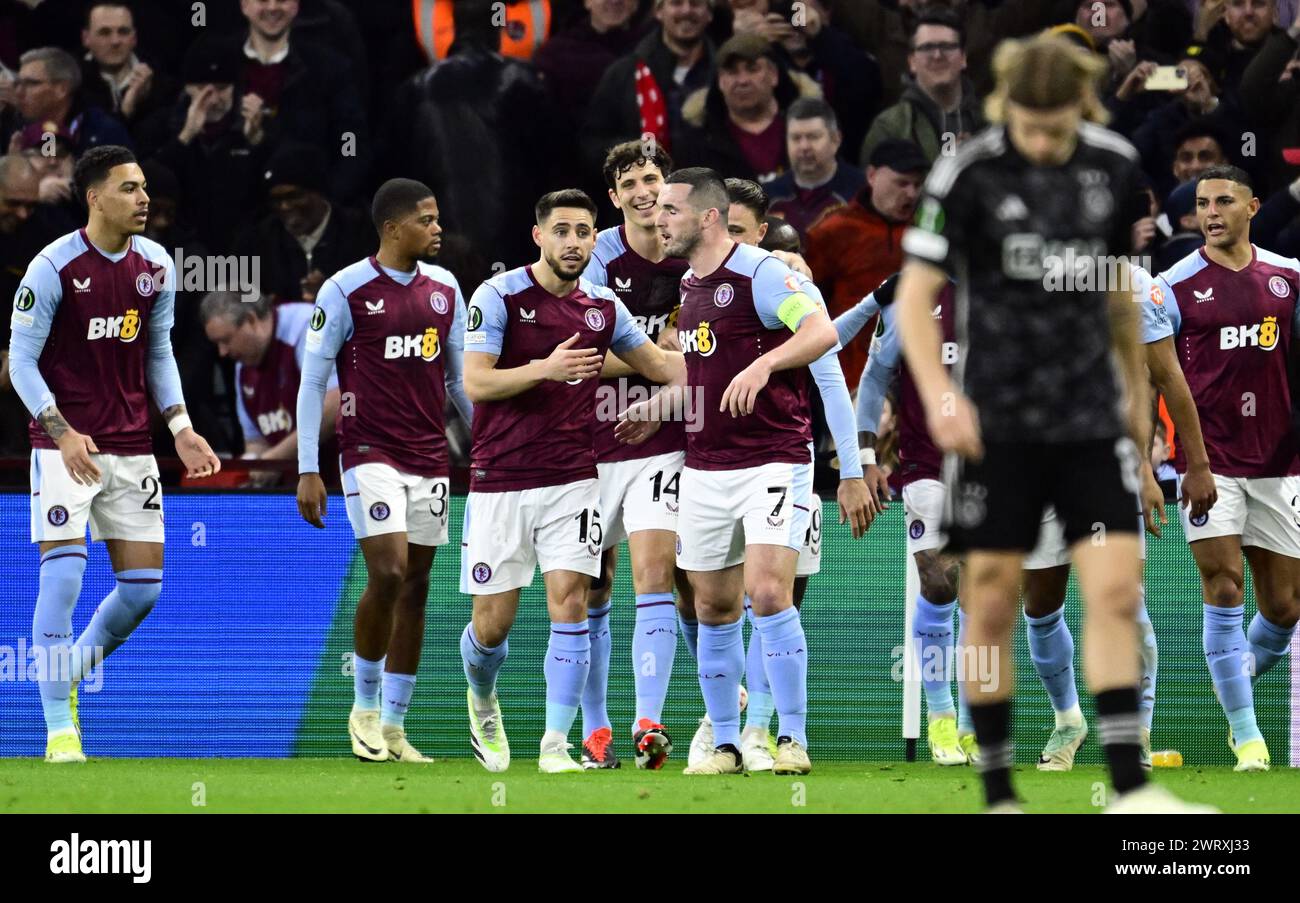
[
  {"x": 439, "y": 302},
  {"x": 58, "y": 516},
  {"x": 1279, "y": 286},
  {"x": 482, "y": 573},
  {"x": 595, "y": 319},
  {"x": 379, "y": 511},
  {"x": 917, "y": 529},
  {"x": 144, "y": 285},
  {"x": 724, "y": 295}
]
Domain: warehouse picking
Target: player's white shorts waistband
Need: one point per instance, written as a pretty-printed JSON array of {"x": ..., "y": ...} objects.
[
  {"x": 723, "y": 511},
  {"x": 641, "y": 494},
  {"x": 508, "y": 535},
  {"x": 381, "y": 499},
  {"x": 126, "y": 503},
  {"x": 1263, "y": 511}
]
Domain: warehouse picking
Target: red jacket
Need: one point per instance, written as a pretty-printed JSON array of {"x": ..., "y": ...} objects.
[{"x": 850, "y": 252}]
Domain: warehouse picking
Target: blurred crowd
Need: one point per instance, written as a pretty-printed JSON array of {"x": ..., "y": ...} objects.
[{"x": 265, "y": 125}]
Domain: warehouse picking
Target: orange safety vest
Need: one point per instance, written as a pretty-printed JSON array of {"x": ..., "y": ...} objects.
[{"x": 527, "y": 24}]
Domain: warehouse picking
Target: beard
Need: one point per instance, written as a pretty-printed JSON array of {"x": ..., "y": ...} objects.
[
  {"x": 566, "y": 269},
  {"x": 683, "y": 246}
]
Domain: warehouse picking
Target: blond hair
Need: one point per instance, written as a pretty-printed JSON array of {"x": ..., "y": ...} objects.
[{"x": 1046, "y": 72}]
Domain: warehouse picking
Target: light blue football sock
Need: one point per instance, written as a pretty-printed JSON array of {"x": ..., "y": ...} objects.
[{"x": 1226, "y": 649}]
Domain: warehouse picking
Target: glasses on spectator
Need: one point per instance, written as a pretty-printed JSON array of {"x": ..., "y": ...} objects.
[{"x": 940, "y": 47}]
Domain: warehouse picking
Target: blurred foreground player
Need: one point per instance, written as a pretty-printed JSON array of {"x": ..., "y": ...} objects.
[
  {"x": 535, "y": 342},
  {"x": 1227, "y": 314},
  {"x": 1038, "y": 392},
  {"x": 91, "y": 343},
  {"x": 393, "y": 324}
]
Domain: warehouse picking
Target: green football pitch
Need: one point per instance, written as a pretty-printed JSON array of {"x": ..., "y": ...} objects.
[{"x": 460, "y": 785}]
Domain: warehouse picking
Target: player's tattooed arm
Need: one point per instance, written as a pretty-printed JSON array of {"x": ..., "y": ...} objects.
[
  {"x": 53, "y": 423},
  {"x": 74, "y": 447}
]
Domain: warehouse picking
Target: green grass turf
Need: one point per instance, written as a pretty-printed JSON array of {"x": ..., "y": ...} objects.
[{"x": 461, "y": 785}]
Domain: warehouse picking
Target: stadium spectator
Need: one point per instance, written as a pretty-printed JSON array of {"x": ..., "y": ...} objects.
[
  {"x": 849, "y": 76},
  {"x": 25, "y": 228},
  {"x": 48, "y": 149},
  {"x": 479, "y": 130},
  {"x": 215, "y": 149},
  {"x": 1161, "y": 129},
  {"x": 1270, "y": 97},
  {"x": 884, "y": 28},
  {"x": 573, "y": 60},
  {"x": 46, "y": 90},
  {"x": 642, "y": 93},
  {"x": 1197, "y": 146},
  {"x": 1178, "y": 224},
  {"x": 306, "y": 238},
  {"x": 307, "y": 92},
  {"x": 854, "y": 248},
  {"x": 267, "y": 343},
  {"x": 818, "y": 181},
  {"x": 1238, "y": 30},
  {"x": 939, "y": 107},
  {"x": 737, "y": 125},
  {"x": 519, "y": 27},
  {"x": 204, "y": 378},
  {"x": 1277, "y": 225},
  {"x": 114, "y": 77}
]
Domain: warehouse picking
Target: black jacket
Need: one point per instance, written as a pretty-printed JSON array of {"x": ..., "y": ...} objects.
[
  {"x": 613, "y": 115},
  {"x": 477, "y": 129},
  {"x": 349, "y": 236},
  {"x": 319, "y": 105},
  {"x": 706, "y": 139}
]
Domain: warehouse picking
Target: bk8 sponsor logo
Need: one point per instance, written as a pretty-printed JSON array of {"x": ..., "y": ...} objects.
[
  {"x": 425, "y": 346},
  {"x": 125, "y": 327},
  {"x": 701, "y": 340},
  {"x": 1255, "y": 335}
]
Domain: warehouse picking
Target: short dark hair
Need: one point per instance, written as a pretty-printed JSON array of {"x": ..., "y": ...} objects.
[
  {"x": 781, "y": 236},
  {"x": 565, "y": 197},
  {"x": 96, "y": 163},
  {"x": 749, "y": 195},
  {"x": 622, "y": 157},
  {"x": 397, "y": 198},
  {"x": 707, "y": 188},
  {"x": 813, "y": 108},
  {"x": 1201, "y": 128},
  {"x": 939, "y": 16},
  {"x": 1230, "y": 173},
  {"x": 116, "y": 4}
]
